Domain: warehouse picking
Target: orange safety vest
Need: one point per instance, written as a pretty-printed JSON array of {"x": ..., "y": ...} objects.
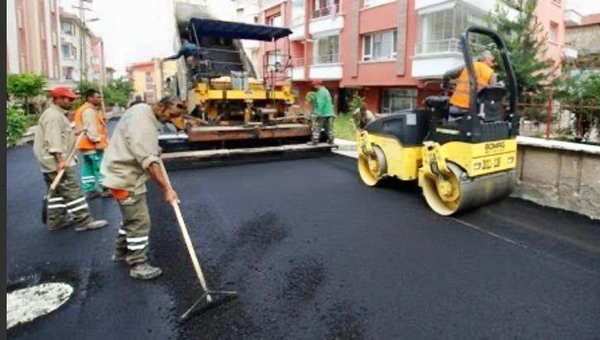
[
  {"x": 86, "y": 143},
  {"x": 483, "y": 75}
]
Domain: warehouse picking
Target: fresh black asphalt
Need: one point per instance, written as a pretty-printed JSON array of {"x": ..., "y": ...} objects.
[{"x": 313, "y": 254}]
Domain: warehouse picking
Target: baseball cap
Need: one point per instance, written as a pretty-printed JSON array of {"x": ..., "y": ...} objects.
[{"x": 63, "y": 92}]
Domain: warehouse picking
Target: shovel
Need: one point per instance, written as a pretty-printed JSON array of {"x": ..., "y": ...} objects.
[
  {"x": 59, "y": 176},
  {"x": 208, "y": 294}
]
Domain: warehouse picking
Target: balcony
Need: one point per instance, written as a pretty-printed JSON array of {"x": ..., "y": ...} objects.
[
  {"x": 297, "y": 69},
  {"x": 327, "y": 67},
  {"x": 326, "y": 20},
  {"x": 483, "y": 6},
  {"x": 572, "y": 18},
  {"x": 297, "y": 28},
  {"x": 433, "y": 58}
]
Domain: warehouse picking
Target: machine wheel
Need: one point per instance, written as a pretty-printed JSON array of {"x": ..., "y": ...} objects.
[
  {"x": 459, "y": 192},
  {"x": 372, "y": 167},
  {"x": 444, "y": 194}
]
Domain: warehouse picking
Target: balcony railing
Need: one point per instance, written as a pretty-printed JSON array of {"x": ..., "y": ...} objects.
[
  {"x": 438, "y": 46},
  {"x": 327, "y": 59},
  {"x": 325, "y": 11},
  {"x": 298, "y": 21}
]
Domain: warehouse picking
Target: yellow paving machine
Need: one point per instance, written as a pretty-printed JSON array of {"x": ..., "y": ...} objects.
[
  {"x": 231, "y": 110},
  {"x": 460, "y": 164}
]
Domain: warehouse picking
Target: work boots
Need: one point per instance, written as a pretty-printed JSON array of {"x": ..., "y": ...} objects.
[
  {"x": 144, "y": 271},
  {"x": 94, "y": 224}
]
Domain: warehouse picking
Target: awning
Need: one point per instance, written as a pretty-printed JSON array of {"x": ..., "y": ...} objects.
[{"x": 235, "y": 30}]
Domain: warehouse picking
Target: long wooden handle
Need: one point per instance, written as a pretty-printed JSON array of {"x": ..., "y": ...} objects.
[
  {"x": 186, "y": 235},
  {"x": 67, "y": 161}
]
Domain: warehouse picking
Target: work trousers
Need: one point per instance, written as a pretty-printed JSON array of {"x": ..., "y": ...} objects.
[
  {"x": 91, "y": 177},
  {"x": 322, "y": 123},
  {"x": 66, "y": 199},
  {"x": 134, "y": 233}
]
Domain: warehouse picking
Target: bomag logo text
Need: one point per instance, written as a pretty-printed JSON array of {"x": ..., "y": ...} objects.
[{"x": 494, "y": 147}]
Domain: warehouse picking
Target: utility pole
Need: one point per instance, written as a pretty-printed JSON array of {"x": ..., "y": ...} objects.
[{"x": 82, "y": 34}]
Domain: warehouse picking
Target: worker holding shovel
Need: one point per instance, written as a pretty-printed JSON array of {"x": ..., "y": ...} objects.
[
  {"x": 132, "y": 157},
  {"x": 54, "y": 148}
]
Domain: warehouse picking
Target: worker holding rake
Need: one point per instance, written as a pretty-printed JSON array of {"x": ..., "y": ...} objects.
[{"x": 132, "y": 157}]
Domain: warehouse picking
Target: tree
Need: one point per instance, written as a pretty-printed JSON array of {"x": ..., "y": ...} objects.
[
  {"x": 580, "y": 93},
  {"x": 16, "y": 124},
  {"x": 526, "y": 42},
  {"x": 117, "y": 92},
  {"x": 25, "y": 86}
]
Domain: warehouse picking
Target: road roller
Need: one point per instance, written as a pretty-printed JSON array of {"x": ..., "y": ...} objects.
[{"x": 461, "y": 163}]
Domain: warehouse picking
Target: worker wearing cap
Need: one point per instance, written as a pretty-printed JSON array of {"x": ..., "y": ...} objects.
[
  {"x": 322, "y": 113},
  {"x": 132, "y": 157},
  {"x": 92, "y": 145},
  {"x": 54, "y": 139}
]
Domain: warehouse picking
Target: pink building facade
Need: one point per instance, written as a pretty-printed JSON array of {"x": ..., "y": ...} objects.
[
  {"x": 388, "y": 51},
  {"x": 33, "y": 37}
]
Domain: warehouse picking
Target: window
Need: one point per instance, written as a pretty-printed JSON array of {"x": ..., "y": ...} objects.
[
  {"x": 324, "y": 8},
  {"x": 239, "y": 15},
  {"x": 276, "y": 21},
  {"x": 67, "y": 28},
  {"x": 393, "y": 100},
  {"x": 68, "y": 73},
  {"x": 326, "y": 50},
  {"x": 553, "y": 33},
  {"x": 380, "y": 46},
  {"x": 439, "y": 31},
  {"x": 96, "y": 76},
  {"x": 68, "y": 51},
  {"x": 96, "y": 60},
  {"x": 298, "y": 12},
  {"x": 371, "y": 3}
]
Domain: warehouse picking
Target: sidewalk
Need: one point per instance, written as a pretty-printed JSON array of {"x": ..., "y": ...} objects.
[{"x": 346, "y": 148}]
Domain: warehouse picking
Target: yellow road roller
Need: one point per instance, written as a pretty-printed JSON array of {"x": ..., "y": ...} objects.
[{"x": 459, "y": 163}]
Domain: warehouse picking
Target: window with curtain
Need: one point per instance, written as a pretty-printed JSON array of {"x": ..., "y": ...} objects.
[
  {"x": 380, "y": 46},
  {"x": 326, "y": 50}
]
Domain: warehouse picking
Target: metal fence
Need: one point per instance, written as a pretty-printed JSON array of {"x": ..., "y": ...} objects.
[{"x": 561, "y": 120}]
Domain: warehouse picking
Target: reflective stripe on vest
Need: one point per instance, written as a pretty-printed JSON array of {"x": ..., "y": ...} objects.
[
  {"x": 483, "y": 75},
  {"x": 86, "y": 143}
]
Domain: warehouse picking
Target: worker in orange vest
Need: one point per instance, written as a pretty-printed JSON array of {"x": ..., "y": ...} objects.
[
  {"x": 484, "y": 75},
  {"x": 92, "y": 145}
]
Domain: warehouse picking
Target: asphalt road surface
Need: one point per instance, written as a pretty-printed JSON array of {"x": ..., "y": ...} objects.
[{"x": 313, "y": 254}]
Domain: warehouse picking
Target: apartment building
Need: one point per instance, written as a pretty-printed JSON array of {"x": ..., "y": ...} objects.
[
  {"x": 150, "y": 80},
  {"x": 247, "y": 11},
  {"x": 32, "y": 37},
  {"x": 81, "y": 53},
  {"x": 584, "y": 37},
  {"x": 388, "y": 50}
]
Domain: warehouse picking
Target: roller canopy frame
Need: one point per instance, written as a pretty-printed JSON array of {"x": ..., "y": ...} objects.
[{"x": 234, "y": 30}]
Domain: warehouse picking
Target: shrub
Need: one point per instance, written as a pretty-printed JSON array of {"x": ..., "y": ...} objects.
[{"x": 16, "y": 124}]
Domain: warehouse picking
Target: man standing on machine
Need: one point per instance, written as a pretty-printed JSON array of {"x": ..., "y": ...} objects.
[
  {"x": 132, "y": 157},
  {"x": 92, "y": 145},
  {"x": 484, "y": 75},
  {"x": 322, "y": 113}
]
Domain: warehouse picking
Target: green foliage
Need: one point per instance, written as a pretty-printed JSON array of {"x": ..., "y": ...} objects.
[
  {"x": 580, "y": 93},
  {"x": 343, "y": 127},
  {"x": 527, "y": 45},
  {"x": 16, "y": 124},
  {"x": 310, "y": 97},
  {"x": 25, "y": 86},
  {"x": 356, "y": 103},
  {"x": 117, "y": 92}
]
